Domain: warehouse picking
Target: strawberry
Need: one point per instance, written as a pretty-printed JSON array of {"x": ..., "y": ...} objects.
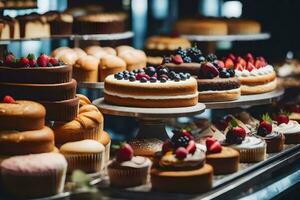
[
  {"x": 239, "y": 131},
  {"x": 8, "y": 99},
  {"x": 250, "y": 66},
  {"x": 241, "y": 61},
  {"x": 215, "y": 148},
  {"x": 181, "y": 153},
  {"x": 209, "y": 141},
  {"x": 248, "y": 57},
  {"x": 296, "y": 109},
  {"x": 231, "y": 56},
  {"x": 208, "y": 70},
  {"x": 282, "y": 119},
  {"x": 43, "y": 60},
  {"x": 177, "y": 59},
  {"x": 220, "y": 63},
  {"x": 259, "y": 64},
  {"x": 54, "y": 61},
  {"x": 266, "y": 123},
  {"x": 167, "y": 146},
  {"x": 191, "y": 148},
  {"x": 239, "y": 67},
  {"x": 187, "y": 133},
  {"x": 24, "y": 62},
  {"x": 125, "y": 153},
  {"x": 9, "y": 59},
  {"x": 32, "y": 61},
  {"x": 228, "y": 63}
]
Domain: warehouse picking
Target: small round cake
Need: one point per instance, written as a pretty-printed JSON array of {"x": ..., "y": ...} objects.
[
  {"x": 242, "y": 26},
  {"x": 146, "y": 147},
  {"x": 290, "y": 130},
  {"x": 21, "y": 115},
  {"x": 32, "y": 176},
  {"x": 86, "y": 155},
  {"x": 151, "y": 87},
  {"x": 85, "y": 69}
]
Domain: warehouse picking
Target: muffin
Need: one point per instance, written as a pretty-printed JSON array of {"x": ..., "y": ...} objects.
[
  {"x": 86, "y": 155},
  {"x": 110, "y": 64},
  {"x": 106, "y": 141},
  {"x": 134, "y": 59},
  {"x": 86, "y": 69},
  {"x": 99, "y": 52},
  {"x": 60, "y": 51},
  {"x": 79, "y": 52},
  {"x": 146, "y": 147},
  {"x": 123, "y": 48},
  {"x": 33, "y": 176},
  {"x": 68, "y": 56},
  {"x": 127, "y": 170}
]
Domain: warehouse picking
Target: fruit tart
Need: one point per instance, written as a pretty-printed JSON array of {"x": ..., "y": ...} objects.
[
  {"x": 273, "y": 137},
  {"x": 224, "y": 160},
  {"x": 251, "y": 148},
  {"x": 255, "y": 74},
  {"x": 180, "y": 166},
  {"x": 127, "y": 170}
]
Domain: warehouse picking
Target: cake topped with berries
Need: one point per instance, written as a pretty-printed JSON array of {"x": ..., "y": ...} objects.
[
  {"x": 255, "y": 74},
  {"x": 151, "y": 87},
  {"x": 43, "y": 69},
  {"x": 215, "y": 82}
]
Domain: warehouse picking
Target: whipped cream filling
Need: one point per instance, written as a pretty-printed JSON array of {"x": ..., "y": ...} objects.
[
  {"x": 250, "y": 142},
  {"x": 188, "y": 96},
  {"x": 255, "y": 72},
  {"x": 266, "y": 85},
  {"x": 290, "y": 128},
  {"x": 219, "y": 91}
]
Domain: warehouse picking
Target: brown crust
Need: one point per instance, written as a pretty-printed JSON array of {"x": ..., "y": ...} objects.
[
  {"x": 26, "y": 142},
  {"x": 150, "y": 103},
  {"x": 36, "y": 75},
  {"x": 227, "y": 95},
  {"x": 225, "y": 162},
  {"x": 258, "y": 80},
  {"x": 40, "y": 92},
  {"x": 258, "y": 88},
  {"x": 189, "y": 181}
]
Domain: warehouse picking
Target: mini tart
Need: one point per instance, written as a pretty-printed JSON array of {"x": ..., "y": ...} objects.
[
  {"x": 22, "y": 115},
  {"x": 291, "y": 132},
  {"x": 32, "y": 176},
  {"x": 225, "y": 162},
  {"x": 275, "y": 141},
  {"x": 36, "y": 75},
  {"x": 39, "y": 92},
  {"x": 159, "y": 95},
  {"x": 26, "y": 142},
  {"x": 219, "y": 89},
  {"x": 146, "y": 147},
  {"x": 252, "y": 149},
  {"x": 86, "y": 155},
  {"x": 129, "y": 173}
]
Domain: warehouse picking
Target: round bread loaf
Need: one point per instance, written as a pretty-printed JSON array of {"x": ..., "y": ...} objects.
[{"x": 86, "y": 69}]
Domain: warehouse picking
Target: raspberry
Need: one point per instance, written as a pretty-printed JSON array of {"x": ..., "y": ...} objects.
[
  {"x": 125, "y": 153},
  {"x": 181, "y": 153}
]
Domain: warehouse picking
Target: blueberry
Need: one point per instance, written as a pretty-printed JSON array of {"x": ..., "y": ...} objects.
[
  {"x": 60, "y": 63},
  {"x": 126, "y": 76},
  {"x": 238, "y": 140},
  {"x": 182, "y": 76},
  {"x": 188, "y": 75},
  {"x": 49, "y": 65},
  {"x": 231, "y": 72},
  {"x": 166, "y": 60},
  {"x": 125, "y": 72},
  {"x": 177, "y": 77},
  {"x": 163, "y": 80},
  {"x": 118, "y": 76},
  {"x": 172, "y": 74},
  {"x": 131, "y": 73},
  {"x": 132, "y": 78},
  {"x": 211, "y": 57},
  {"x": 162, "y": 71},
  {"x": 187, "y": 59},
  {"x": 153, "y": 79},
  {"x": 140, "y": 70},
  {"x": 224, "y": 74},
  {"x": 136, "y": 71},
  {"x": 150, "y": 71},
  {"x": 143, "y": 80}
]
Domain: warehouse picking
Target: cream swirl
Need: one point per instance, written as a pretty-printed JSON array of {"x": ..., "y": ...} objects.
[
  {"x": 250, "y": 142},
  {"x": 255, "y": 72},
  {"x": 273, "y": 134},
  {"x": 135, "y": 162},
  {"x": 290, "y": 128}
]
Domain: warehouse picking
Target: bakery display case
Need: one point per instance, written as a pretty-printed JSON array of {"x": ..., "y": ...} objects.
[{"x": 148, "y": 99}]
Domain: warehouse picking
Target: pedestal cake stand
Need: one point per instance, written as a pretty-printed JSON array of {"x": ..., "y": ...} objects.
[{"x": 151, "y": 120}]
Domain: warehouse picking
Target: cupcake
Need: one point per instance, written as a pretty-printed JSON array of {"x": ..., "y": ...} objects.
[
  {"x": 85, "y": 69},
  {"x": 274, "y": 138},
  {"x": 32, "y": 176},
  {"x": 127, "y": 170},
  {"x": 289, "y": 128},
  {"x": 79, "y": 52},
  {"x": 251, "y": 148},
  {"x": 224, "y": 160},
  {"x": 180, "y": 166},
  {"x": 110, "y": 64},
  {"x": 146, "y": 147},
  {"x": 85, "y": 155}
]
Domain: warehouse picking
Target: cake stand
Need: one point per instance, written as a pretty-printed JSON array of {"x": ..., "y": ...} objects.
[
  {"x": 215, "y": 38},
  {"x": 151, "y": 120}
]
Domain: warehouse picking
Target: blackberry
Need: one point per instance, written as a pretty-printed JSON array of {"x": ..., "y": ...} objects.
[
  {"x": 193, "y": 51},
  {"x": 187, "y": 59},
  {"x": 180, "y": 141},
  {"x": 211, "y": 57},
  {"x": 232, "y": 138},
  {"x": 262, "y": 131}
]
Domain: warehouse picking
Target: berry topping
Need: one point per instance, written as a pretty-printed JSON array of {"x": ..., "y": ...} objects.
[
  {"x": 153, "y": 79},
  {"x": 236, "y": 134},
  {"x": 43, "y": 60},
  {"x": 24, "y": 62},
  {"x": 191, "y": 148},
  {"x": 219, "y": 64},
  {"x": 119, "y": 76},
  {"x": 166, "y": 60},
  {"x": 150, "y": 71},
  {"x": 229, "y": 63},
  {"x": 54, "y": 61},
  {"x": 181, "y": 153},
  {"x": 215, "y": 148},
  {"x": 9, "y": 59},
  {"x": 32, "y": 61},
  {"x": 125, "y": 153},
  {"x": 143, "y": 80},
  {"x": 163, "y": 80},
  {"x": 211, "y": 57},
  {"x": 177, "y": 59},
  {"x": 208, "y": 70},
  {"x": 8, "y": 99},
  {"x": 224, "y": 73},
  {"x": 132, "y": 78},
  {"x": 181, "y": 138},
  {"x": 250, "y": 66},
  {"x": 266, "y": 123},
  {"x": 167, "y": 146},
  {"x": 282, "y": 119},
  {"x": 262, "y": 131},
  {"x": 209, "y": 141}
]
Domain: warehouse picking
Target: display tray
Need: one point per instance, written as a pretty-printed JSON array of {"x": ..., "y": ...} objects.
[
  {"x": 215, "y": 38},
  {"x": 248, "y": 100}
]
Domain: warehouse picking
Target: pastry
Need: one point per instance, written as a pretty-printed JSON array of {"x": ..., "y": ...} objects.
[
  {"x": 205, "y": 26},
  {"x": 86, "y": 69},
  {"x": 274, "y": 138},
  {"x": 80, "y": 52},
  {"x": 150, "y": 87},
  {"x": 123, "y": 48},
  {"x": 146, "y": 147},
  {"x": 86, "y": 155},
  {"x": 83, "y": 100},
  {"x": 224, "y": 160},
  {"x": 110, "y": 64},
  {"x": 101, "y": 23},
  {"x": 127, "y": 170},
  {"x": 180, "y": 166},
  {"x": 88, "y": 124},
  {"x": 33, "y": 176},
  {"x": 242, "y": 26},
  {"x": 255, "y": 74},
  {"x": 99, "y": 52},
  {"x": 251, "y": 148},
  {"x": 135, "y": 59}
]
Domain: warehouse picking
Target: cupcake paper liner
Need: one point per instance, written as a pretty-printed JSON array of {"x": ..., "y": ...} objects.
[{"x": 249, "y": 155}]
